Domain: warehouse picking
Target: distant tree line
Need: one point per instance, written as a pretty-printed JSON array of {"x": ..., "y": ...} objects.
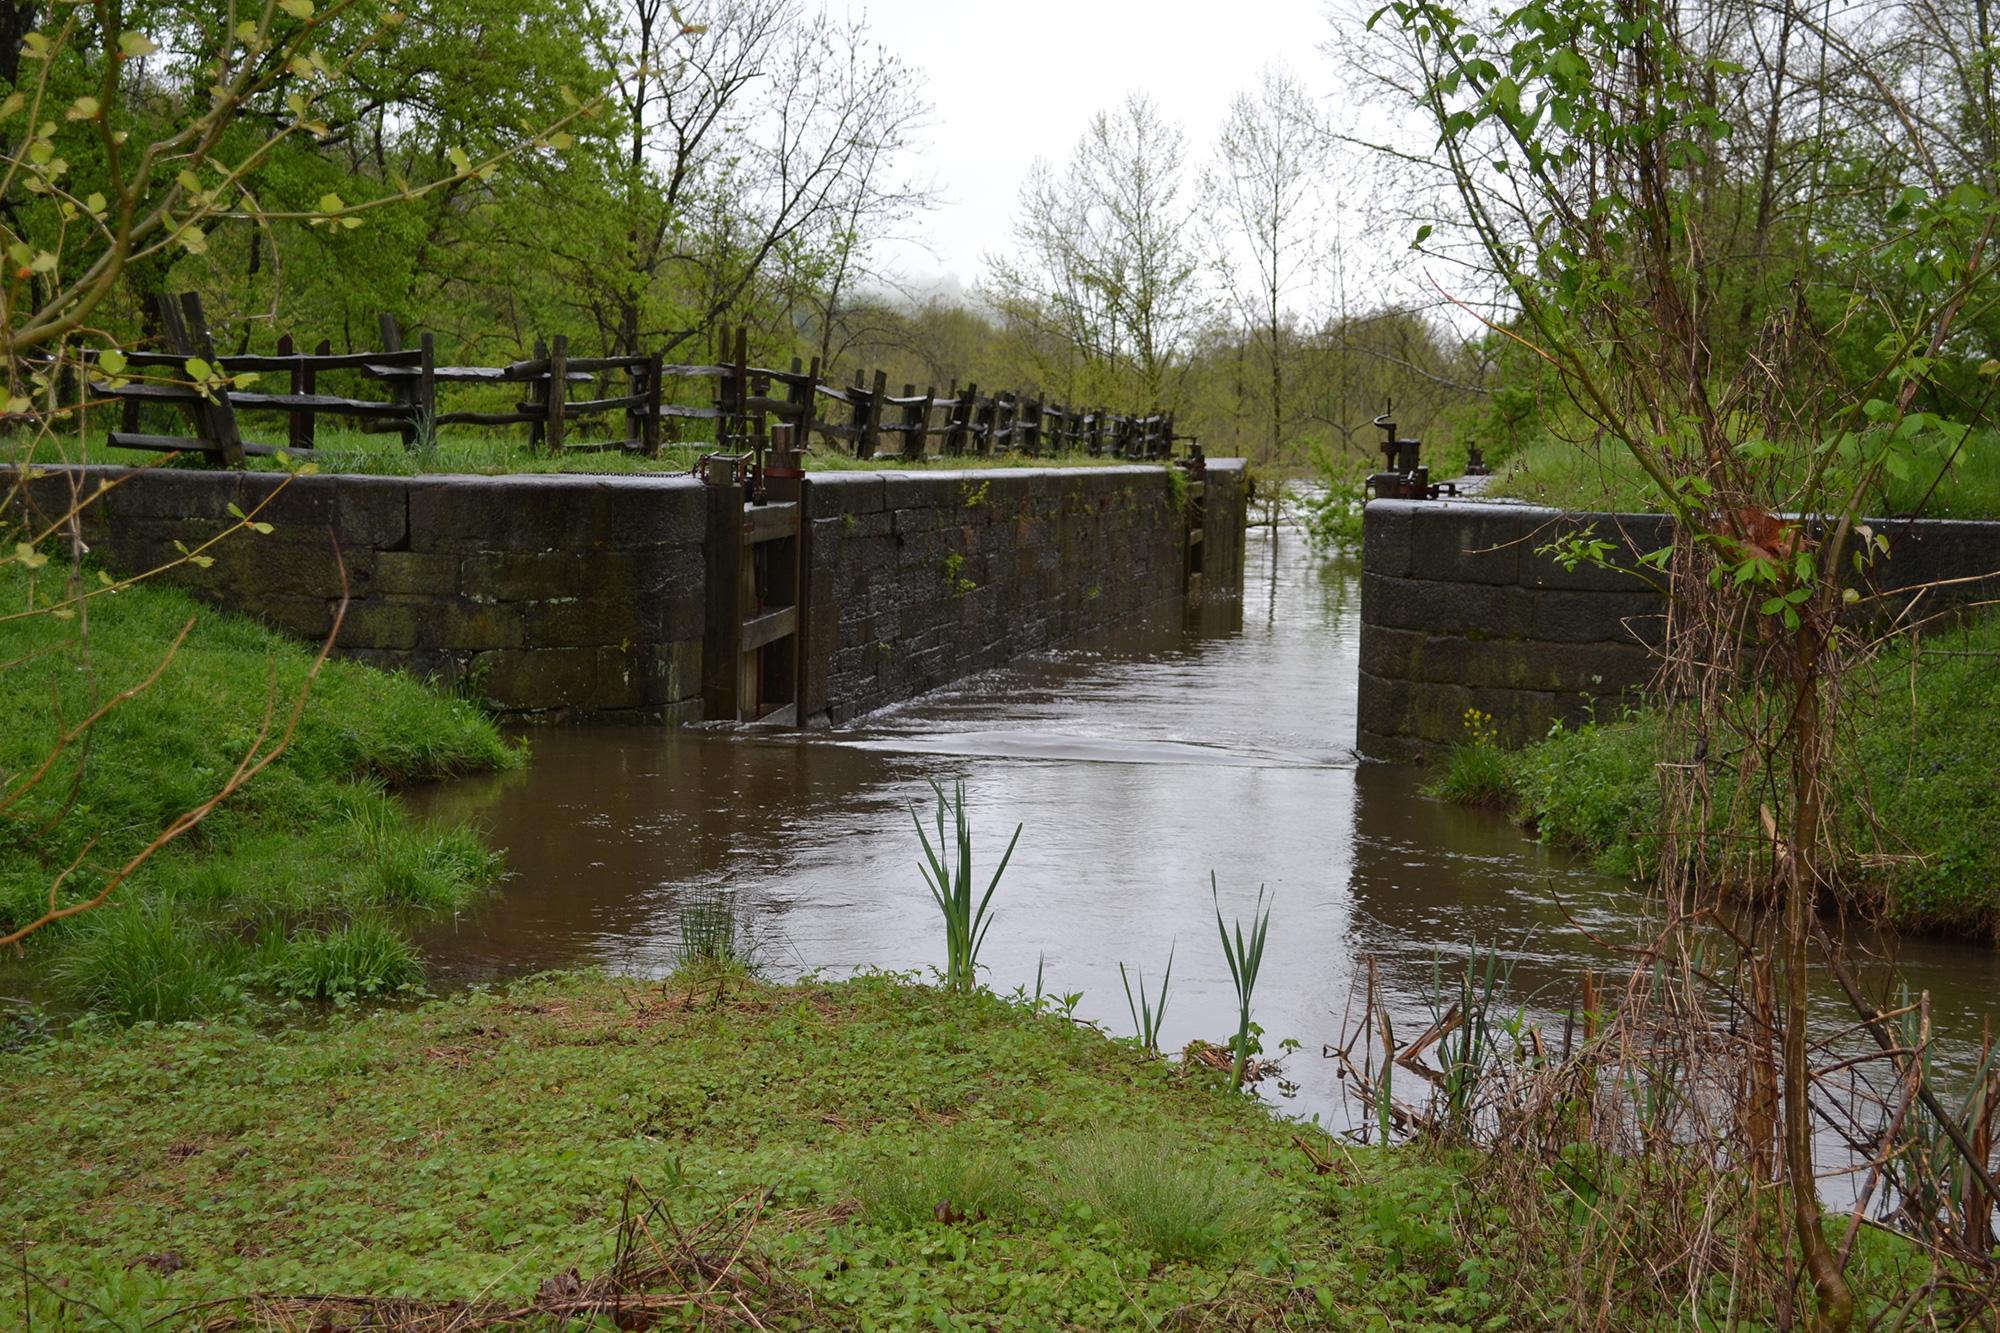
[{"x": 640, "y": 175}]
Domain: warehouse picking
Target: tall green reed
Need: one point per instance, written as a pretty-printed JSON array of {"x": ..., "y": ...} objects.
[
  {"x": 948, "y": 874},
  {"x": 1147, "y": 1016},
  {"x": 1246, "y": 956}
]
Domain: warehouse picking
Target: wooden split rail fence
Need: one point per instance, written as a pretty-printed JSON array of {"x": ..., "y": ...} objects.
[{"x": 746, "y": 402}]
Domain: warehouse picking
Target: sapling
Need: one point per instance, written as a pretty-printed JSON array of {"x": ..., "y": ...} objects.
[{"x": 1245, "y": 957}]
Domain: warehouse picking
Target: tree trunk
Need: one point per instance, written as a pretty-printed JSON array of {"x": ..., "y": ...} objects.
[{"x": 1836, "y": 1299}]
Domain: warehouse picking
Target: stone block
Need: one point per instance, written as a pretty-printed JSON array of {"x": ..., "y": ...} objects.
[
  {"x": 1595, "y": 617},
  {"x": 574, "y": 622},
  {"x": 481, "y": 514},
  {"x": 634, "y": 512},
  {"x": 383, "y": 624},
  {"x": 460, "y": 624},
  {"x": 829, "y": 495},
  {"x": 1386, "y": 534},
  {"x": 522, "y": 576},
  {"x": 1474, "y": 610},
  {"x": 1514, "y": 664},
  {"x": 1466, "y": 543},
  {"x": 414, "y": 573},
  {"x": 1631, "y": 536},
  {"x": 536, "y": 679}
]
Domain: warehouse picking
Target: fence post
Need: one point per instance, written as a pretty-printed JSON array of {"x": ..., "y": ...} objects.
[
  {"x": 739, "y": 388},
  {"x": 311, "y": 381},
  {"x": 216, "y": 418},
  {"x": 649, "y": 428},
  {"x": 961, "y": 417},
  {"x": 391, "y": 334},
  {"x": 871, "y": 428},
  {"x": 558, "y": 389},
  {"x": 1032, "y": 416},
  {"x": 538, "y": 400},
  {"x": 807, "y": 397}
]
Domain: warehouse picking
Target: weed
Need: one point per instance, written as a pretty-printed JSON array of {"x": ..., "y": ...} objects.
[
  {"x": 1477, "y": 771},
  {"x": 434, "y": 868},
  {"x": 948, "y": 873},
  {"x": 941, "y": 1182},
  {"x": 954, "y": 566},
  {"x": 973, "y": 496},
  {"x": 1245, "y": 957},
  {"x": 362, "y": 959},
  {"x": 149, "y": 962},
  {"x": 1180, "y": 1205}
]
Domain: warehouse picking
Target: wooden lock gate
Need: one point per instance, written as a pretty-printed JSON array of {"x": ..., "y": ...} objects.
[{"x": 759, "y": 571}]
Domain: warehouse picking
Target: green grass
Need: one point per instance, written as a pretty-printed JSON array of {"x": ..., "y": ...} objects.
[
  {"x": 478, "y": 452},
  {"x": 1162, "y": 1195},
  {"x": 1921, "y": 759},
  {"x": 312, "y": 845},
  {"x": 1580, "y": 478},
  {"x": 944, "y": 1179},
  {"x": 897, "y": 1156}
]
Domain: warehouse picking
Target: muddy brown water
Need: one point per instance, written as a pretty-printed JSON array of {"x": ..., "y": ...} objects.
[{"x": 1136, "y": 763}]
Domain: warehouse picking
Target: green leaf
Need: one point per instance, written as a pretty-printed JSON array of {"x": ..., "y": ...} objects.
[
  {"x": 134, "y": 44},
  {"x": 298, "y": 9},
  {"x": 27, "y": 555}
]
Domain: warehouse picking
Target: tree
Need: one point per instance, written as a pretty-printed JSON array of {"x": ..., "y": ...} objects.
[
  {"x": 1266, "y": 192},
  {"x": 1600, "y": 168},
  {"x": 747, "y": 130},
  {"x": 1106, "y": 258}
]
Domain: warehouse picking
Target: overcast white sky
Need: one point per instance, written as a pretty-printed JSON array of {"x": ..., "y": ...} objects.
[{"x": 998, "y": 108}]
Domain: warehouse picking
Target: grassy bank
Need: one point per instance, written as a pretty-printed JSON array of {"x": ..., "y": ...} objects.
[
  {"x": 492, "y": 453},
  {"x": 297, "y": 888},
  {"x": 1921, "y": 759},
  {"x": 865, "y": 1154},
  {"x": 1584, "y": 478}
]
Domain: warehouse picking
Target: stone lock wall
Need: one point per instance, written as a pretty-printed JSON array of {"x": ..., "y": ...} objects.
[
  {"x": 583, "y": 596},
  {"x": 1459, "y": 611},
  {"x": 920, "y": 578}
]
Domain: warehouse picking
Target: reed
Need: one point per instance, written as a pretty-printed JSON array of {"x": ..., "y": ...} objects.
[
  {"x": 711, "y": 936},
  {"x": 948, "y": 874},
  {"x": 1246, "y": 956},
  {"x": 1147, "y": 1015}
]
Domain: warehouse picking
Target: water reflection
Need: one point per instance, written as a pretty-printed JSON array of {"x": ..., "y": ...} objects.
[{"x": 1139, "y": 763}]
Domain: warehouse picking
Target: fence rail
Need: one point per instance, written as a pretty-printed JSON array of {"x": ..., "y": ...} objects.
[{"x": 747, "y": 401}]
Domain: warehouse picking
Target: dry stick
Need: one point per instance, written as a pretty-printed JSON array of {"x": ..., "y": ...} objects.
[
  {"x": 247, "y": 768},
  {"x": 1882, "y": 1159},
  {"x": 1888, "y": 1044}
]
